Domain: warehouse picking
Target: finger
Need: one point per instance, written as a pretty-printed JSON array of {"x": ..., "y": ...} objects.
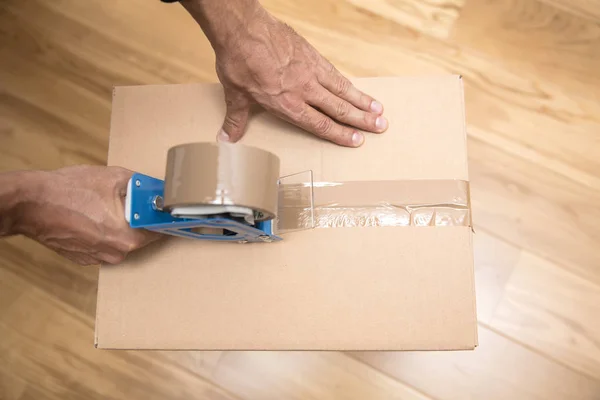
[
  {"x": 336, "y": 83},
  {"x": 110, "y": 255},
  {"x": 321, "y": 125},
  {"x": 79, "y": 257},
  {"x": 113, "y": 258},
  {"x": 150, "y": 237},
  {"x": 85, "y": 260},
  {"x": 138, "y": 238},
  {"x": 117, "y": 247},
  {"x": 236, "y": 118},
  {"x": 121, "y": 178},
  {"x": 341, "y": 110}
]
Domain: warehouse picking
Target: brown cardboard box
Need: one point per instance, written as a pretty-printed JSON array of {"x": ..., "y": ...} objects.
[{"x": 377, "y": 288}]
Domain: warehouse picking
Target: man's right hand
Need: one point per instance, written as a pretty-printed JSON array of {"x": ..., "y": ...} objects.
[
  {"x": 261, "y": 60},
  {"x": 76, "y": 211}
]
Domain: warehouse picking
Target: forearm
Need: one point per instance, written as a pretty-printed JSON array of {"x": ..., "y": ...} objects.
[
  {"x": 222, "y": 21},
  {"x": 16, "y": 188}
]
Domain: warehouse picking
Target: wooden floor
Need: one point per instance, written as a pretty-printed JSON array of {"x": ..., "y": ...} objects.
[{"x": 532, "y": 75}]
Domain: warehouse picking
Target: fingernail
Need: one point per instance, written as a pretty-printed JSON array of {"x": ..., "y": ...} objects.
[
  {"x": 376, "y": 107},
  {"x": 223, "y": 136},
  {"x": 381, "y": 123},
  {"x": 357, "y": 139}
]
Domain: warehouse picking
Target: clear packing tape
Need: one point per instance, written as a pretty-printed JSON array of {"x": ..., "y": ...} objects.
[{"x": 304, "y": 204}]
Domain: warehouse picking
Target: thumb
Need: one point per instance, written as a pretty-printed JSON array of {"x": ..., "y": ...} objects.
[{"x": 234, "y": 126}]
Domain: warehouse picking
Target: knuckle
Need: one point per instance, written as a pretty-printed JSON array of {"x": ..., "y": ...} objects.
[
  {"x": 342, "y": 86},
  {"x": 237, "y": 102},
  {"x": 287, "y": 102},
  {"x": 330, "y": 67},
  {"x": 308, "y": 86},
  {"x": 324, "y": 126},
  {"x": 233, "y": 122},
  {"x": 290, "y": 105},
  {"x": 79, "y": 260},
  {"x": 342, "y": 109}
]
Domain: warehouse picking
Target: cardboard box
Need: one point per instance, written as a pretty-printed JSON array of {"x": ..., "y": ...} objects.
[{"x": 363, "y": 288}]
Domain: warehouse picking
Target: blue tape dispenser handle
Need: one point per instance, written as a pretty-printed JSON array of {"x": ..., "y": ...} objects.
[{"x": 144, "y": 210}]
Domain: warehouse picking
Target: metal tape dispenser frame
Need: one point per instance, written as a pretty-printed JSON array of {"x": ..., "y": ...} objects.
[{"x": 219, "y": 192}]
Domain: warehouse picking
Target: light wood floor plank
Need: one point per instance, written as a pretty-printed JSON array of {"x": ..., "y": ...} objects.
[
  {"x": 498, "y": 369},
  {"x": 553, "y": 311},
  {"x": 538, "y": 303},
  {"x": 74, "y": 36},
  {"x": 45, "y": 270},
  {"x": 532, "y": 36},
  {"x": 175, "y": 49},
  {"x": 494, "y": 263},
  {"x": 295, "y": 375},
  {"x": 433, "y": 17},
  {"x": 588, "y": 9},
  {"x": 11, "y": 387},
  {"x": 530, "y": 207},
  {"x": 26, "y": 125},
  {"x": 50, "y": 345}
]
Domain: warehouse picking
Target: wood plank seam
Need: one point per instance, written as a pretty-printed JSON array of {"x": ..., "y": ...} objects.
[
  {"x": 537, "y": 156},
  {"x": 538, "y": 352},
  {"x": 122, "y": 41},
  {"x": 531, "y": 251},
  {"x": 564, "y": 6},
  {"x": 388, "y": 375}
]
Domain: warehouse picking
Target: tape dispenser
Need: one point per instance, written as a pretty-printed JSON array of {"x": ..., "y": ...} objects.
[{"x": 220, "y": 192}]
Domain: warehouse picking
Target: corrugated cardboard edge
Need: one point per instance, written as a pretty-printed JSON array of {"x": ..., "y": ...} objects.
[
  {"x": 96, "y": 317},
  {"x": 472, "y": 274}
]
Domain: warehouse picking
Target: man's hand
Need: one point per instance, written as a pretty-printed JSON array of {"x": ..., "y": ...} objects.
[
  {"x": 76, "y": 211},
  {"x": 261, "y": 60}
]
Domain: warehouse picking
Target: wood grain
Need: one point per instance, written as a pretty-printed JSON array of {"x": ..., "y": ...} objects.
[
  {"x": 550, "y": 309},
  {"x": 45, "y": 270},
  {"x": 588, "y": 9},
  {"x": 537, "y": 37},
  {"x": 498, "y": 369},
  {"x": 532, "y": 84},
  {"x": 53, "y": 351},
  {"x": 432, "y": 17},
  {"x": 295, "y": 375},
  {"x": 494, "y": 263},
  {"x": 519, "y": 201}
]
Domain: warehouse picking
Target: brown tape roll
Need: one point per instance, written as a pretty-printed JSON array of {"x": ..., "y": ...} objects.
[{"x": 229, "y": 174}]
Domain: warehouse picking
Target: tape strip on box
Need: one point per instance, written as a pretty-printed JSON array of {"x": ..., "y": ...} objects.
[{"x": 374, "y": 203}]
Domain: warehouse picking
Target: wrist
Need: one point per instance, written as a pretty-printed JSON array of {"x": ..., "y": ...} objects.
[
  {"x": 224, "y": 22},
  {"x": 18, "y": 191}
]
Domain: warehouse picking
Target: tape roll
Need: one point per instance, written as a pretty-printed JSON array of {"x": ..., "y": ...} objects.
[{"x": 234, "y": 176}]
